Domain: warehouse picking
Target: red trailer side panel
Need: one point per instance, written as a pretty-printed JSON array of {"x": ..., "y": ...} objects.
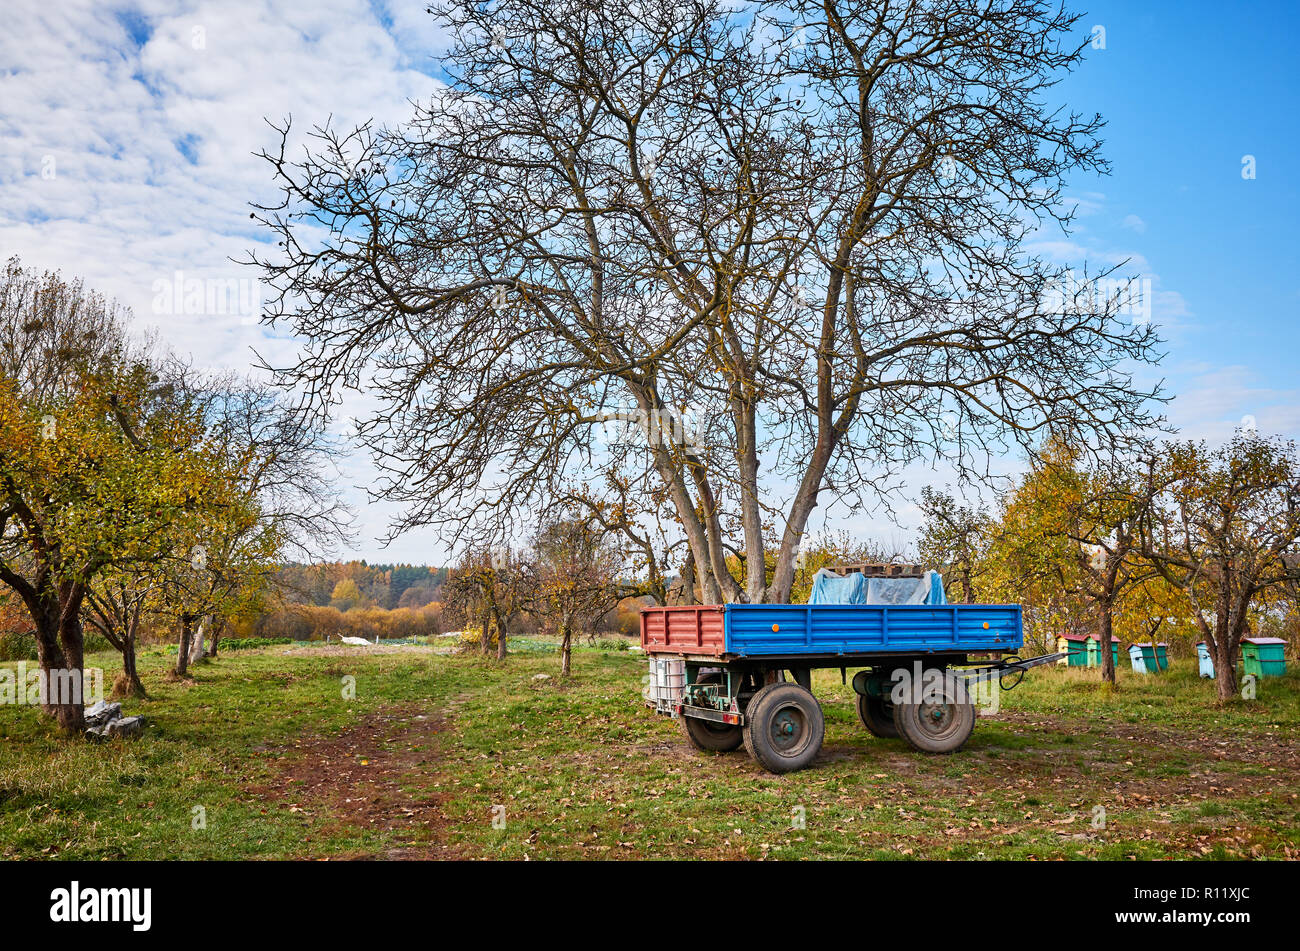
[{"x": 683, "y": 629}]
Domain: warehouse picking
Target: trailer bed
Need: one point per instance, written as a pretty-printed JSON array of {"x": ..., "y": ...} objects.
[{"x": 842, "y": 630}]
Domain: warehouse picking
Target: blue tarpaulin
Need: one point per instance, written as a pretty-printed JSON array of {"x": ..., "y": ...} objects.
[{"x": 855, "y": 588}]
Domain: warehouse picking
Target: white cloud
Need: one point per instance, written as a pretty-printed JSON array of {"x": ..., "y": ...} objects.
[
  {"x": 1215, "y": 402},
  {"x": 1134, "y": 223},
  {"x": 129, "y": 132}
]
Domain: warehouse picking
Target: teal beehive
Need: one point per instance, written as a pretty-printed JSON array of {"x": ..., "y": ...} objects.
[{"x": 1149, "y": 658}]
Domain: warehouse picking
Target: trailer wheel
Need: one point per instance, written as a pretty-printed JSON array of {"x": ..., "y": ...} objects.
[
  {"x": 784, "y": 727},
  {"x": 710, "y": 737},
  {"x": 940, "y": 724},
  {"x": 877, "y": 715}
]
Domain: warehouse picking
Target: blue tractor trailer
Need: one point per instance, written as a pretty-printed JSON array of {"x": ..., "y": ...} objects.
[{"x": 741, "y": 674}]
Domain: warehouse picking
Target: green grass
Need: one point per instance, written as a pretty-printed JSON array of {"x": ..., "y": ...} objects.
[{"x": 581, "y": 769}]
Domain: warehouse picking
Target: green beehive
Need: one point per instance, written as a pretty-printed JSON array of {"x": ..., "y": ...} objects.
[
  {"x": 1263, "y": 656},
  {"x": 1093, "y": 650}
]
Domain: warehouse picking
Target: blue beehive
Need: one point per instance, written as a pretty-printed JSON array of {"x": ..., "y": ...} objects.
[
  {"x": 1204, "y": 660},
  {"x": 1135, "y": 657}
]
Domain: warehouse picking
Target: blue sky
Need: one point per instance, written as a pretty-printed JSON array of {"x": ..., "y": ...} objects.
[
  {"x": 128, "y": 128},
  {"x": 1188, "y": 90}
]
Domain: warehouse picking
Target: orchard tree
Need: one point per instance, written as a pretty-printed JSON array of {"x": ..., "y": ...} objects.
[
  {"x": 95, "y": 469},
  {"x": 1102, "y": 511},
  {"x": 117, "y": 603},
  {"x": 954, "y": 539},
  {"x": 1155, "y": 609},
  {"x": 575, "y": 570},
  {"x": 786, "y": 244},
  {"x": 273, "y": 495},
  {"x": 1223, "y": 532},
  {"x": 490, "y": 588},
  {"x": 1078, "y": 526},
  {"x": 218, "y": 562}
]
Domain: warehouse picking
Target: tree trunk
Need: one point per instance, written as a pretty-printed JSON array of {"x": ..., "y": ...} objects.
[
  {"x": 687, "y": 595},
  {"x": 485, "y": 636},
  {"x": 1225, "y": 664},
  {"x": 1105, "y": 627},
  {"x": 128, "y": 684},
  {"x": 132, "y": 686},
  {"x": 218, "y": 625},
  {"x": 59, "y": 648},
  {"x": 566, "y": 648},
  {"x": 501, "y": 633},
  {"x": 197, "y": 652},
  {"x": 751, "y": 513},
  {"x": 183, "y": 655}
]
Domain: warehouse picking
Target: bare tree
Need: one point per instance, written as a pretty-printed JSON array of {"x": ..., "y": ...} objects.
[
  {"x": 116, "y": 605},
  {"x": 785, "y": 242},
  {"x": 576, "y": 579}
]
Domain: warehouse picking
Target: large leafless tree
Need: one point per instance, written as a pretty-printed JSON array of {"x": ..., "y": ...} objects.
[{"x": 789, "y": 243}]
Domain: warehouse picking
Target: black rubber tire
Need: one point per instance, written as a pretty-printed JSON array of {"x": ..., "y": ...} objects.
[
  {"x": 710, "y": 737},
  {"x": 939, "y": 727},
  {"x": 784, "y": 727},
  {"x": 877, "y": 715}
]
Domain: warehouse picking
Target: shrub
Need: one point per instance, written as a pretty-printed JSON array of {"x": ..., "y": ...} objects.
[
  {"x": 94, "y": 642},
  {"x": 245, "y": 643},
  {"x": 471, "y": 639},
  {"x": 17, "y": 645}
]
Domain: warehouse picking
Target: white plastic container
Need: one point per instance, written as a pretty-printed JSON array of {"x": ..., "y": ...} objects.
[{"x": 667, "y": 682}]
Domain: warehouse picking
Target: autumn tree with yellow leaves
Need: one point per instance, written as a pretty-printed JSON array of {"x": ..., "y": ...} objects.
[
  {"x": 1223, "y": 533},
  {"x": 95, "y": 472},
  {"x": 1067, "y": 545}
]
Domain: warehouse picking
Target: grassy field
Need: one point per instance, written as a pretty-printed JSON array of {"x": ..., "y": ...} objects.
[{"x": 262, "y": 755}]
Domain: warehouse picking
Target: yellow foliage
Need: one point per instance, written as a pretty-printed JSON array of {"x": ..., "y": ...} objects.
[{"x": 472, "y": 637}]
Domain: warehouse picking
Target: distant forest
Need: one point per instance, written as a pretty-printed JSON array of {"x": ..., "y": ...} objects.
[{"x": 358, "y": 584}]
